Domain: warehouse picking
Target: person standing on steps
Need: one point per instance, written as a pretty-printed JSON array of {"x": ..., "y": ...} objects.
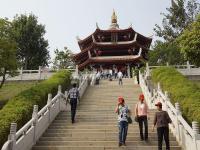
[
  {"x": 162, "y": 120},
  {"x": 120, "y": 76},
  {"x": 141, "y": 113},
  {"x": 123, "y": 113},
  {"x": 73, "y": 96}
]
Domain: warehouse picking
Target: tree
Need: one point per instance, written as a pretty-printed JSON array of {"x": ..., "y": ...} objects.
[
  {"x": 63, "y": 59},
  {"x": 189, "y": 42},
  {"x": 177, "y": 19},
  {"x": 8, "y": 62},
  {"x": 164, "y": 52},
  {"x": 32, "y": 46}
]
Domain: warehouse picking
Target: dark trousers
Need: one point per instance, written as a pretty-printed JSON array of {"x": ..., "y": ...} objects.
[
  {"x": 73, "y": 102},
  {"x": 123, "y": 129},
  {"x": 120, "y": 81},
  {"x": 163, "y": 132},
  {"x": 142, "y": 120}
]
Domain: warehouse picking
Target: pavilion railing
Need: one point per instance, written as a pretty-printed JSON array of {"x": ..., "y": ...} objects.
[
  {"x": 26, "y": 137},
  {"x": 187, "y": 136}
]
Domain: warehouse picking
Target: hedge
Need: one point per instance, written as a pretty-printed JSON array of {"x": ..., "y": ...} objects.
[
  {"x": 19, "y": 109},
  {"x": 181, "y": 90}
]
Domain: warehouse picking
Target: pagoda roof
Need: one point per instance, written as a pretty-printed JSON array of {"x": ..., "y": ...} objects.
[
  {"x": 102, "y": 32},
  {"x": 125, "y": 44},
  {"x": 111, "y": 59}
]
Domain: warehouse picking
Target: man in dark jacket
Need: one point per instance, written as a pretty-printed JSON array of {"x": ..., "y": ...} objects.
[
  {"x": 73, "y": 95},
  {"x": 162, "y": 120}
]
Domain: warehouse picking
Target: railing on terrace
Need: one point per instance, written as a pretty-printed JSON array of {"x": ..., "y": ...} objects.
[
  {"x": 40, "y": 74},
  {"x": 188, "y": 69},
  {"x": 27, "y": 136},
  {"x": 187, "y": 136}
]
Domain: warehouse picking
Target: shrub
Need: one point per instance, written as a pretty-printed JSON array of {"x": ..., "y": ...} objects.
[
  {"x": 181, "y": 90},
  {"x": 19, "y": 109}
]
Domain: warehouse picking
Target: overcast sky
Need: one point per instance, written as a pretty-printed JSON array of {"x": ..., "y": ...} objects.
[{"x": 66, "y": 19}]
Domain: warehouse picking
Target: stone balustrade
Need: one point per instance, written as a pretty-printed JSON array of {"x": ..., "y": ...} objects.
[
  {"x": 187, "y": 136},
  {"x": 26, "y": 137}
]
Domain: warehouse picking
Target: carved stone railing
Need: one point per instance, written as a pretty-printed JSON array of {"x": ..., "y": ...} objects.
[
  {"x": 187, "y": 136},
  {"x": 186, "y": 70},
  {"x": 26, "y": 137}
]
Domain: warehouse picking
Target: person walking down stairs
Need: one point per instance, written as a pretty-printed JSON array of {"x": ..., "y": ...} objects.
[
  {"x": 162, "y": 120},
  {"x": 141, "y": 113},
  {"x": 73, "y": 96},
  {"x": 122, "y": 111}
]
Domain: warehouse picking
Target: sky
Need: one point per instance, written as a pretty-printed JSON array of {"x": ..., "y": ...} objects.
[{"x": 64, "y": 20}]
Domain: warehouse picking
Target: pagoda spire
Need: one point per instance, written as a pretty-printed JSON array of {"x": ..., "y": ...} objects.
[
  {"x": 114, "y": 17},
  {"x": 114, "y": 24}
]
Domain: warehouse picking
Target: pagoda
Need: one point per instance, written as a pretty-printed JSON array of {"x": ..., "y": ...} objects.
[{"x": 112, "y": 48}]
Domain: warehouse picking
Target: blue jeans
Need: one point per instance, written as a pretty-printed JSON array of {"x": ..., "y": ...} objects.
[{"x": 123, "y": 129}]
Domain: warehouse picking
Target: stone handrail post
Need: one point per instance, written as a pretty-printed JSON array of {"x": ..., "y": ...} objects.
[
  {"x": 35, "y": 117},
  {"x": 177, "y": 123},
  {"x": 39, "y": 72},
  {"x": 195, "y": 128},
  {"x": 167, "y": 99},
  {"x": 12, "y": 135},
  {"x": 49, "y": 106},
  {"x": 21, "y": 73},
  {"x": 60, "y": 92}
]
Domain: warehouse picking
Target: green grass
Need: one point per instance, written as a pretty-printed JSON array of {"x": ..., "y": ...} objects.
[
  {"x": 197, "y": 83},
  {"x": 11, "y": 89},
  {"x": 181, "y": 90}
]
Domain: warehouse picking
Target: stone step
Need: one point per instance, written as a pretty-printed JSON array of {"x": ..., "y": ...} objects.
[
  {"x": 89, "y": 126},
  {"x": 112, "y": 130},
  {"x": 110, "y": 138},
  {"x": 95, "y": 134},
  {"x": 96, "y": 126},
  {"x": 101, "y": 148},
  {"x": 99, "y": 143}
]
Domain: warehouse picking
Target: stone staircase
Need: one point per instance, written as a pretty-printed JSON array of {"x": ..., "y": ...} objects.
[{"x": 96, "y": 123}]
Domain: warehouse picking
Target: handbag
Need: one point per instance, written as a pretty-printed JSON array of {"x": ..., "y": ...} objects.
[
  {"x": 130, "y": 121},
  {"x": 136, "y": 118}
]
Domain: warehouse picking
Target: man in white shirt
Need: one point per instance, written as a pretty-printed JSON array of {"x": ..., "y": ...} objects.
[{"x": 120, "y": 76}]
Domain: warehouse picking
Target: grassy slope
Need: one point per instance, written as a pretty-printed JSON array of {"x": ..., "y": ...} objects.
[{"x": 11, "y": 89}]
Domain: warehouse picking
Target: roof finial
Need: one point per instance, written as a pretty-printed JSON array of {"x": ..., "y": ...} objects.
[
  {"x": 78, "y": 39},
  {"x": 114, "y": 24},
  {"x": 114, "y": 17},
  {"x": 97, "y": 26}
]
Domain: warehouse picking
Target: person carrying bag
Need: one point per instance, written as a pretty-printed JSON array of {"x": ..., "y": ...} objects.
[
  {"x": 123, "y": 114},
  {"x": 141, "y": 116}
]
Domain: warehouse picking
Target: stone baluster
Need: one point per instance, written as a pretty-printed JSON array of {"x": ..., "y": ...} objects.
[
  {"x": 12, "y": 135},
  {"x": 49, "y": 106},
  {"x": 166, "y": 100},
  {"x": 21, "y": 73},
  {"x": 177, "y": 128},
  {"x": 35, "y": 117},
  {"x": 167, "y": 64},
  {"x": 60, "y": 98},
  {"x": 39, "y": 72},
  {"x": 59, "y": 89},
  {"x": 159, "y": 88},
  {"x": 195, "y": 127}
]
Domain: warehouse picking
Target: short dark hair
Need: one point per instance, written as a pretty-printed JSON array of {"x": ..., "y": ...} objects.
[{"x": 74, "y": 85}]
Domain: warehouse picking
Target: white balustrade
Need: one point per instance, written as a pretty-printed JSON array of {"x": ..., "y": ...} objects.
[
  {"x": 27, "y": 136},
  {"x": 187, "y": 136}
]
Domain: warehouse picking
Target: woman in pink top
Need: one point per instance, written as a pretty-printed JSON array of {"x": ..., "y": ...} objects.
[{"x": 141, "y": 111}]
